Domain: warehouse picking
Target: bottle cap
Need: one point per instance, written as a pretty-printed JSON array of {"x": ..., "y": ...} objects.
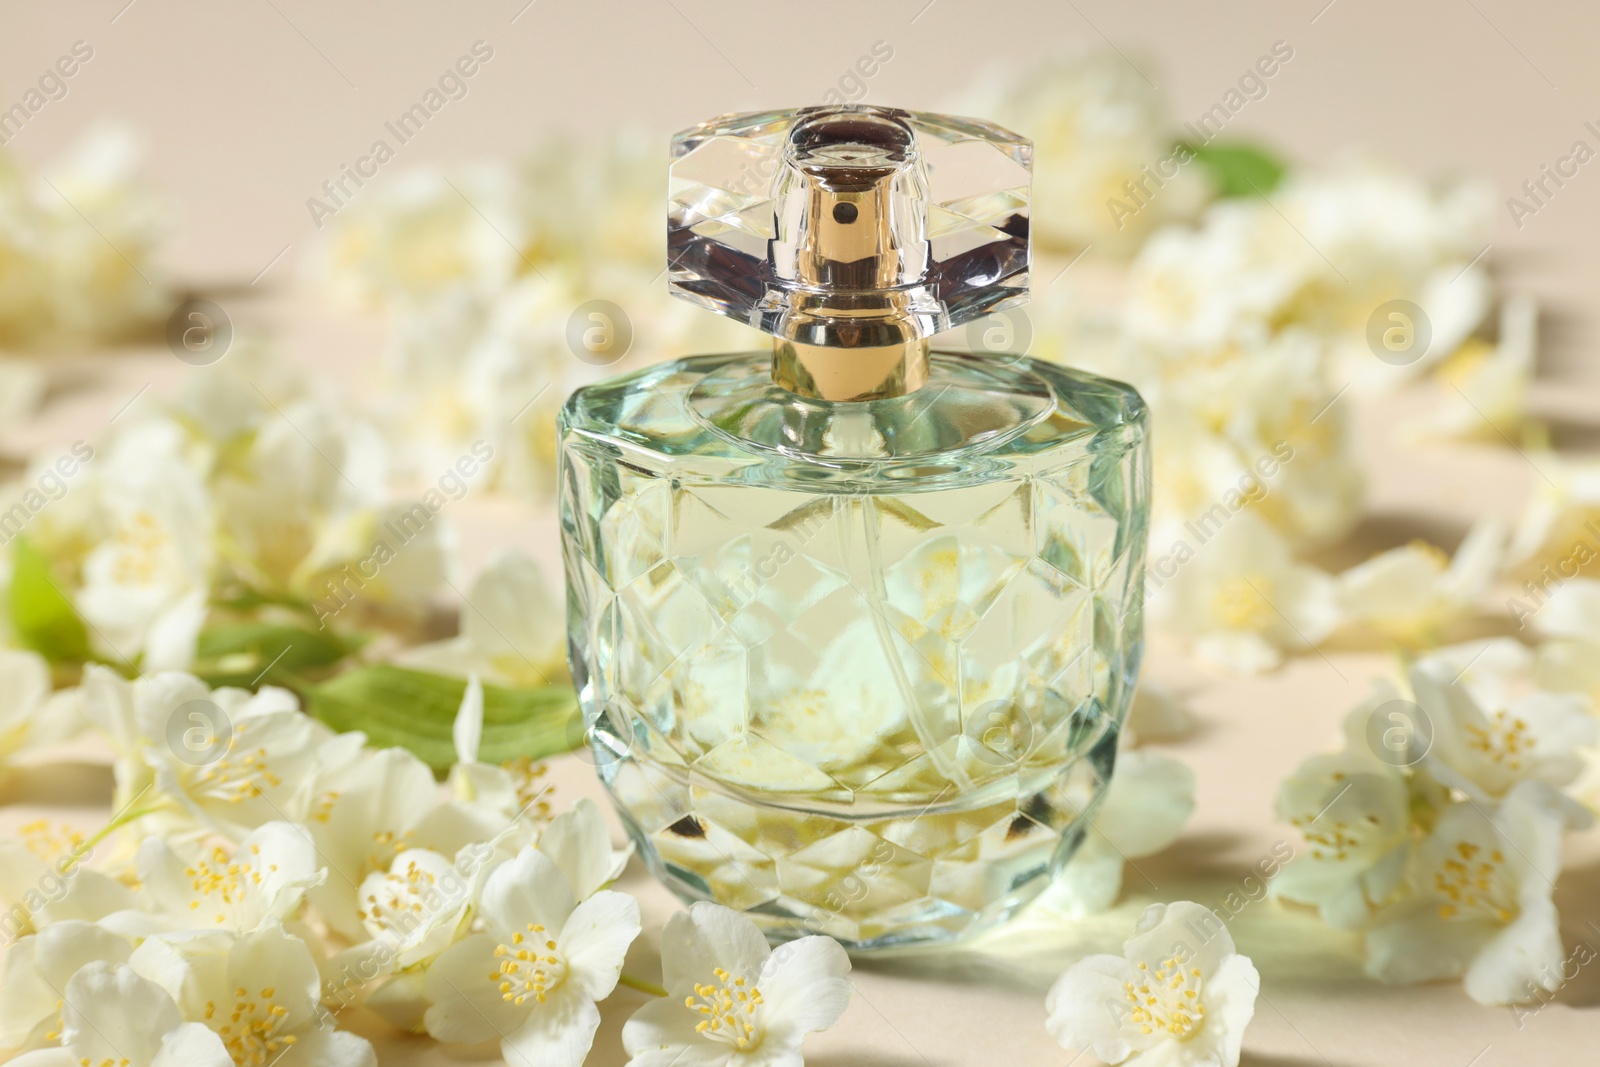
[{"x": 850, "y": 227}]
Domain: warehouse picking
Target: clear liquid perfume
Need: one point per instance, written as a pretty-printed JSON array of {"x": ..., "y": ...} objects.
[{"x": 854, "y": 623}]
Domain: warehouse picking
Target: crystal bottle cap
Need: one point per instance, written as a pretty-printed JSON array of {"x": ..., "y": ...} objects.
[{"x": 849, "y": 226}]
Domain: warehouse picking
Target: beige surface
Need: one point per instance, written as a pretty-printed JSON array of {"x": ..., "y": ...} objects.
[{"x": 251, "y": 106}]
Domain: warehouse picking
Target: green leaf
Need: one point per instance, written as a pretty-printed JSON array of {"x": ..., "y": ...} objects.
[
  {"x": 247, "y": 654},
  {"x": 416, "y": 710},
  {"x": 1239, "y": 169},
  {"x": 42, "y": 617}
]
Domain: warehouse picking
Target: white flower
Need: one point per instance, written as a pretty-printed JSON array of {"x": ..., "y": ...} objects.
[
  {"x": 421, "y": 903},
  {"x": 259, "y": 882},
  {"x": 1147, "y": 802},
  {"x": 102, "y": 279},
  {"x": 1485, "y": 743},
  {"x": 1157, "y": 714},
  {"x": 78, "y": 246},
  {"x": 265, "y": 762},
  {"x": 1354, "y": 811},
  {"x": 35, "y": 971},
  {"x": 145, "y": 584},
  {"x": 1096, "y": 124},
  {"x": 513, "y": 628},
  {"x": 1242, "y": 599},
  {"x": 1412, "y": 593},
  {"x": 30, "y": 715},
  {"x": 1485, "y": 392},
  {"x": 1223, "y": 282},
  {"x": 111, "y": 1015},
  {"x": 1492, "y": 670},
  {"x": 579, "y": 843},
  {"x": 424, "y": 231},
  {"x": 1558, "y": 536},
  {"x": 533, "y": 976},
  {"x": 259, "y": 992},
  {"x": 43, "y": 881},
  {"x": 513, "y": 792},
  {"x": 370, "y": 810},
  {"x": 1568, "y": 660},
  {"x": 1178, "y": 995},
  {"x": 1482, "y": 910},
  {"x": 732, "y": 999}
]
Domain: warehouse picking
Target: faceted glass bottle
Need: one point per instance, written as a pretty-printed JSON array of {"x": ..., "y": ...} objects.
[{"x": 854, "y": 666}]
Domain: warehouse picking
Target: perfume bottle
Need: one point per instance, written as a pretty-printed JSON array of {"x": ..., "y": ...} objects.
[{"x": 854, "y": 621}]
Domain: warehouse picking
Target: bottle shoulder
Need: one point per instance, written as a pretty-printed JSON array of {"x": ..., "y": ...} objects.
[{"x": 976, "y": 413}]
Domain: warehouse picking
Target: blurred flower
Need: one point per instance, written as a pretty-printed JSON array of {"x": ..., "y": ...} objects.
[
  {"x": 1482, "y": 910},
  {"x": 1568, "y": 658},
  {"x": 484, "y": 308},
  {"x": 731, "y": 998},
  {"x": 1098, "y": 127},
  {"x": 1146, "y": 804},
  {"x": 252, "y": 487},
  {"x": 31, "y": 716},
  {"x": 1485, "y": 387},
  {"x": 1171, "y": 1001},
  {"x": 1485, "y": 746},
  {"x": 1558, "y": 537},
  {"x": 1355, "y": 811},
  {"x": 1243, "y": 600},
  {"x": 78, "y": 246},
  {"x": 1413, "y": 593},
  {"x": 419, "y": 903},
  {"x": 263, "y": 767},
  {"x": 1355, "y": 815},
  {"x": 1322, "y": 255},
  {"x": 367, "y": 813},
  {"x": 37, "y": 967},
  {"x": 1157, "y": 714},
  {"x": 513, "y": 628},
  {"x": 144, "y": 587},
  {"x": 420, "y": 233}
]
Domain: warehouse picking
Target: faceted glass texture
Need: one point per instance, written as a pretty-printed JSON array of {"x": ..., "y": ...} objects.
[
  {"x": 736, "y": 220},
  {"x": 855, "y": 668}
]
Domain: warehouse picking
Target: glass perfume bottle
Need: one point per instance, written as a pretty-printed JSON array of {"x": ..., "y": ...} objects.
[{"x": 854, "y": 622}]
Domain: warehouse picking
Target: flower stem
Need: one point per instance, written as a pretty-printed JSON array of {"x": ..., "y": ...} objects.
[
  {"x": 641, "y": 985},
  {"x": 108, "y": 829}
]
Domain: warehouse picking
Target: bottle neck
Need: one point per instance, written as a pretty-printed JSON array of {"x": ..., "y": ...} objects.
[{"x": 843, "y": 374}]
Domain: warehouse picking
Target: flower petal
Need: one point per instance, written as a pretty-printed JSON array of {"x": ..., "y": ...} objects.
[
  {"x": 662, "y": 1034},
  {"x": 1149, "y": 799},
  {"x": 113, "y": 1015},
  {"x": 36, "y": 970},
  {"x": 557, "y": 1033},
  {"x": 528, "y": 889},
  {"x": 329, "y": 1048},
  {"x": 580, "y": 844},
  {"x": 1083, "y": 1008},
  {"x": 804, "y": 988},
  {"x": 1091, "y": 880},
  {"x": 1521, "y": 959},
  {"x": 708, "y": 936},
  {"x": 464, "y": 988},
  {"x": 192, "y": 1045},
  {"x": 1411, "y": 943},
  {"x": 596, "y": 938},
  {"x": 1182, "y": 929}
]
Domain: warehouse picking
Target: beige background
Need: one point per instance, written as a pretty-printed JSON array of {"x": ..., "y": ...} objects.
[{"x": 251, "y": 104}]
